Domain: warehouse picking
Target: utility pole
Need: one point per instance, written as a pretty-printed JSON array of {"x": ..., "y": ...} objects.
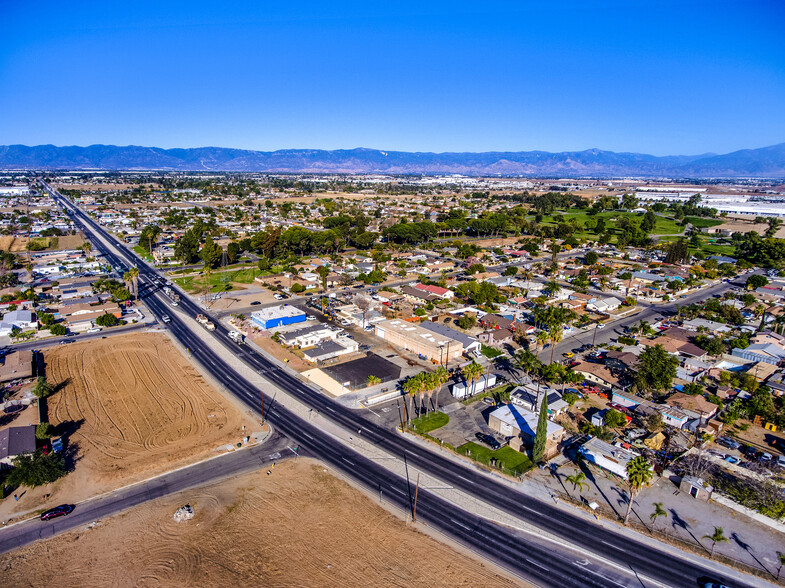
[{"x": 416, "y": 490}]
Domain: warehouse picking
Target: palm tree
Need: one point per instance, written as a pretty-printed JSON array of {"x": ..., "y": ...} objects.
[
  {"x": 472, "y": 373},
  {"x": 577, "y": 481},
  {"x": 441, "y": 376},
  {"x": 129, "y": 283},
  {"x": 658, "y": 512},
  {"x": 422, "y": 388},
  {"x": 525, "y": 360},
  {"x": 542, "y": 339},
  {"x": 555, "y": 335},
  {"x": 134, "y": 277},
  {"x": 410, "y": 388},
  {"x": 373, "y": 380},
  {"x": 718, "y": 536},
  {"x": 638, "y": 476}
]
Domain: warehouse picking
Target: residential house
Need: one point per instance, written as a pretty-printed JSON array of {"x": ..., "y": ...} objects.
[
  {"x": 516, "y": 421},
  {"x": 694, "y": 406},
  {"x": 598, "y": 374},
  {"x": 495, "y": 321},
  {"x": 16, "y": 365},
  {"x": 607, "y": 456},
  {"x": 16, "y": 441},
  {"x": 18, "y": 320},
  {"x": 528, "y": 397},
  {"x": 438, "y": 291},
  {"x": 765, "y": 352},
  {"x": 496, "y": 338}
]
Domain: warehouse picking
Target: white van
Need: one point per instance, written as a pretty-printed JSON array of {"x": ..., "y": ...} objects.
[{"x": 94, "y": 330}]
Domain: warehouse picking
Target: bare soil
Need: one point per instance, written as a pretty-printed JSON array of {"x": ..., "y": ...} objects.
[
  {"x": 299, "y": 526},
  {"x": 130, "y": 407}
]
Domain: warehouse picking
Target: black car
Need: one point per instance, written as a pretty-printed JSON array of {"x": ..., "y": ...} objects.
[
  {"x": 57, "y": 511},
  {"x": 255, "y": 303},
  {"x": 488, "y": 440}
]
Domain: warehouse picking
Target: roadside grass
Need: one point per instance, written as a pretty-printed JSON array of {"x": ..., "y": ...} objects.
[
  {"x": 218, "y": 281},
  {"x": 491, "y": 352},
  {"x": 505, "y": 459},
  {"x": 429, "y": 422}
]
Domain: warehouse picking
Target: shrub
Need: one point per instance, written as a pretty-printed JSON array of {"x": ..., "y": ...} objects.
[
  {"x": 36, "y": 469},
  {"x": 42, "y": 388},
  {"x": 58, "y": 330},
  {"x": 44, "y": 431}
]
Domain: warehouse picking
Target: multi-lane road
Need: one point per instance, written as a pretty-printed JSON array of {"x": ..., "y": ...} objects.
[{"x": 533, "y": 560}]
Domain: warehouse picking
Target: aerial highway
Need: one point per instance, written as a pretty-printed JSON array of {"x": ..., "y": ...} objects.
[{"x": 645, "y": 559}]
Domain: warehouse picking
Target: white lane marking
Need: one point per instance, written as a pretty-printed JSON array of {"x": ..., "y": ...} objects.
[
  {"x": 534, "y": 563},
  {"x": 606, "y": 578},
  {"x": 611, "y": 545},
  {"x": 460, "y": 524},
  {"x": 348, "y": 461}
]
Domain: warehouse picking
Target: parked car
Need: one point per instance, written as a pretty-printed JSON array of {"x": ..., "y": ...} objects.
[
  {"x": 488, "y": 440},
  {"x": 277, "y": 296},
  {"x": 255, "y": 303},
  {"x": 731, "y": 459},
  {"x": 728, "y": 442},
  {"x": 568, "y": 354},
  {"x": 57, "y": 511}
]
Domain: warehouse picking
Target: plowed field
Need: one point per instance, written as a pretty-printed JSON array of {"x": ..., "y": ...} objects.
[
  {"x": 299, "y": 526},
  {"x": 132, "y": 407}
]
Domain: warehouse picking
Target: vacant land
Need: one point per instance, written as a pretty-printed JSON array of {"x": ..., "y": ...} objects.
[
  {"x": 19, "y": 244},
  {"x": 299, "y": 526},
  {"x": 131, "y": 406}
]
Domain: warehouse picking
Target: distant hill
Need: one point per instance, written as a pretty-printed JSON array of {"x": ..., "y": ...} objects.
[{"x": 767, "y": 162}]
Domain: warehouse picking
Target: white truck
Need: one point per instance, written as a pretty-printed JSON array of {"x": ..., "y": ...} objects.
[{"x": 237, "y": 337}]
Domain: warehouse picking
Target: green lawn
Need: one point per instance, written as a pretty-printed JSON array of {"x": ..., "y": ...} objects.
[
  {"x": 139, "y": 250},
  {"x": 507, "y": 459},
  {"x": 699, "y": 221},
  {"x": 664, "y": 226},
  {"x": 430, "y": 422},
  {"x": 219, "y": 280},
  {"x": 491, "y": 352}
]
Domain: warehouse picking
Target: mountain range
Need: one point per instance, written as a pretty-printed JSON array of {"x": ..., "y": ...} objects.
[{"x": 766, "y": 162}]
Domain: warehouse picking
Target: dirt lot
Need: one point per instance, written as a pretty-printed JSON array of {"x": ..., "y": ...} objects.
[
  {"x": 131, "y": 406},
  {"x": 299, "y": 526}
]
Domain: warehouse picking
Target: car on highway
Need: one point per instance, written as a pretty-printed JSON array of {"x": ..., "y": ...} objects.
[
  {"x": 165, "y": 318},
  {"x": 67, "y": 341},
  {"x": 57, "y": 511},
  {"x": 600, "y": 325},
  {"x": 94, "y": 330},
  {"x": 488, "y": 440}
]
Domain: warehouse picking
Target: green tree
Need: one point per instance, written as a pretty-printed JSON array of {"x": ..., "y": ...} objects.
[
  {"x": 211, "y": 253},
  {"x": 106, "y": 320},
  {"x": 36, "y": 469},
  {"x": 614, "y": 419},
  {"x": 58, "y": 330},
  {"x": 590, "y": 257},
  {"x": 718, "y": 536},
  {"x": 46, "y": 319},
  {"x": 656, "y": 369},
  {"x": 373, "y": 380},
  {"x": 148, "y": 237},
  {"x": 297, "y": 288},
  {"x": 756, "y": 281},
  {"x": 42, "y": 388},
  {"x": 638, "y": 475},
  {"x": 541, "y": 436},
  {"x": 44, "y": 431}
]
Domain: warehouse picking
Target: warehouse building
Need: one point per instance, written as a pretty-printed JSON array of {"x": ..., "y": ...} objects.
[
  {"x": 414, "y": 338},
  {"x": 277, "y": 316}
]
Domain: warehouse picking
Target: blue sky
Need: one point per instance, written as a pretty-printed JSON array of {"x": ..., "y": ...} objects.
[{"x": 653, "y": 76}]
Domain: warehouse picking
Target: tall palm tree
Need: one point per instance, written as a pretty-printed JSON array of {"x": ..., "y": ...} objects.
[
  {"x": 441, "y": 376},
  {"x": 718, "y": 536},
  {"x": 658, "y": 512},
  {"x": 525, "y": 360},
  {"x": 577, "y": 481},
  {"x": 422, "y": 388},
  {"x": 128, "y": 283},
  {"x": 134, "y": 277},
  {"x": 638, "y": 476},
  {"x": 555, "y": 335},
  {"x": 410, "y": 388},
  {"x": 472, "y": 373}
]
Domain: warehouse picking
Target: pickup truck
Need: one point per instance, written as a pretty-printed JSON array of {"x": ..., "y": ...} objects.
[{"x": 237, "y": 337}]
